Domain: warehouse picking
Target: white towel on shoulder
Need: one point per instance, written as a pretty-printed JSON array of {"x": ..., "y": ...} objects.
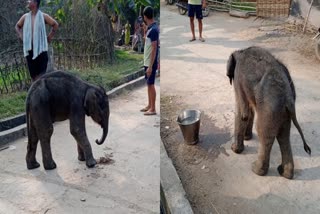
[{"x": 40, "y": 43}]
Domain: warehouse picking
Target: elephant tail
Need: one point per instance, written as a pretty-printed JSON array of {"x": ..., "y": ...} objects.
[
  {"x": 292, "y": 111},
  {"x": 28, "y": 117},
  {"x": 231, "y": 67}
]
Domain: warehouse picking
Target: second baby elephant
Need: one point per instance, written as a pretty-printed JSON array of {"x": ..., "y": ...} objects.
[
  {"x": 263, "y": 85},
  {"x": 58, "y": 96}
]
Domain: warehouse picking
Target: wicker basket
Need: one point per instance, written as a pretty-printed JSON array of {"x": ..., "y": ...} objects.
[{"x": 273, "y": 8}]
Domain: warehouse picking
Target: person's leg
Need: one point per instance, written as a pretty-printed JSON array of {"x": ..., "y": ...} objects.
[
  {"x": 200, "y": 29},
  {"x": 37, "y": 66},
  {"x": 192, "y": 29},
  {"x": 149, "y": 98},
  {"x": 191, "y": 16},
  {"x": 199, "y": 17},
  {"x": 41, "y": 63},
  {"x": 148, "y": 106},
  {"x": 152, "y": 92},
  {"x": 31, "y": 66}
]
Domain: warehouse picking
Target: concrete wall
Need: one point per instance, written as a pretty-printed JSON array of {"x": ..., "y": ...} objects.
[{"x": 301, "y": 8}]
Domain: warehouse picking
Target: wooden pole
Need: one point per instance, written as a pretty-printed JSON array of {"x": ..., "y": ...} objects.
[{"x": 305, "y": 23}]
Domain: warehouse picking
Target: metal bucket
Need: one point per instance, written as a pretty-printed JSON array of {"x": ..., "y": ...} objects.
[{"x": 189, "y": 122}]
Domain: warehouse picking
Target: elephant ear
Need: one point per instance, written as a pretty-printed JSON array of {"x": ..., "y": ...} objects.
[
  {"x": 102, "y": 89},
  {"x": 103, "y": 98},
  {"x": 231, "y": 67},
  {"x": 90, "y": 102}
]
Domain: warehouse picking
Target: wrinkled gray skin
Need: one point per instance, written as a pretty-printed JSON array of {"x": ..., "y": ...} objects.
[
  {"x": 263, "y": 85},
  {"x": 58, "y": 96}
]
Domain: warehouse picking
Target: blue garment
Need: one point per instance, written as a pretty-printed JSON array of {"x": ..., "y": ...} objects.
[
  {"x": 152, "y": 77},
  {"x": 195, "y": 9}
]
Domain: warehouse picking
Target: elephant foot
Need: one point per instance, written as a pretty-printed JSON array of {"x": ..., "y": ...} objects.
[
  {"x": 91, "y": 162},
  {"x": 248, "y": 136},
  {"x": 49, "y": 165},
  {"x": 237, "y": 148},
  {"x": 32, "y": 164},
  {"x": 81, "y": 157},
  {"x": 286, "y": 171},
  {"x": 259, "y": 168}
]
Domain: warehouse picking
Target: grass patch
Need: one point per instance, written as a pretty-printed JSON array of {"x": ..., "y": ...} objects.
[
  {"x": 106, "y": 75},
  {"x": 12, "y": 104}
]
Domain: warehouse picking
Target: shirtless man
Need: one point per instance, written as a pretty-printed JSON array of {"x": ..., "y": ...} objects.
[{"x": 35, "y": 49}]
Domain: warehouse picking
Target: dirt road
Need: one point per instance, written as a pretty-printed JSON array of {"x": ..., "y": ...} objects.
[
  {"x": 194, "y": 76},
  {"x": 128, "y": 183}
]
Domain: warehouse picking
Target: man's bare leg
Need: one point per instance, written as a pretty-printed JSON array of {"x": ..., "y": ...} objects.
[
  {"x": 152, "y": 93},
  {"x": 200, "y": 30},
  {"x": 145, "y": 109},
  {"x": 192, "y": 29}
]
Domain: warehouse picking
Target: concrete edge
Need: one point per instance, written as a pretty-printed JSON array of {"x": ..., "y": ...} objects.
[
  {"x": 13, "y": 134},
  {"x": 21, "y": 130},
  {"x": 126, "y": 87},
  {"x": 11, "y": 122},
  {"x": 175, "y": 200}
]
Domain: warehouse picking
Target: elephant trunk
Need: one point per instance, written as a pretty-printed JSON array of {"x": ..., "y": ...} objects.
[{"x": 105, "y": 126}]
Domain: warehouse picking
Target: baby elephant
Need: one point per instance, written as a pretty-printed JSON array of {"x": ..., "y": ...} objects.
[
  {"x": 58, "y": 96},
  {"x": 263, "y": 84}
]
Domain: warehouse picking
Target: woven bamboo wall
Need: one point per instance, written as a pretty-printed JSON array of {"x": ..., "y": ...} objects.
[{"x": 273, "y": 8}]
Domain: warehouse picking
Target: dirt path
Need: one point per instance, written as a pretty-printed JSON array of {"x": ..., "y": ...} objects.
[
  {"x": 126, "y": 180},
  {"x": 193, "y": 76}
]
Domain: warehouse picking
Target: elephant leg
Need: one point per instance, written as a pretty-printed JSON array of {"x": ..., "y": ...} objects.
[
  {"x": 81, "y": 156},
  {"x": 248, "y": 133},
  {"x": 266, "y": 138},
  {"x": 241, "y": 120},
  {"x": 45, "y": 134},
  {"x": 287, "y": 166},
  {"x": 78, "y": 131},
  {"x": 32, "y": 147},
  {"x": 42, "y": 121}
]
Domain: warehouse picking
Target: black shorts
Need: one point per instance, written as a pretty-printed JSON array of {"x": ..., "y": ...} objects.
[
  {"x": 152, "y": 77},
  {"x": 37, "y": 66},
  {"x": 195, "y": 9}
]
